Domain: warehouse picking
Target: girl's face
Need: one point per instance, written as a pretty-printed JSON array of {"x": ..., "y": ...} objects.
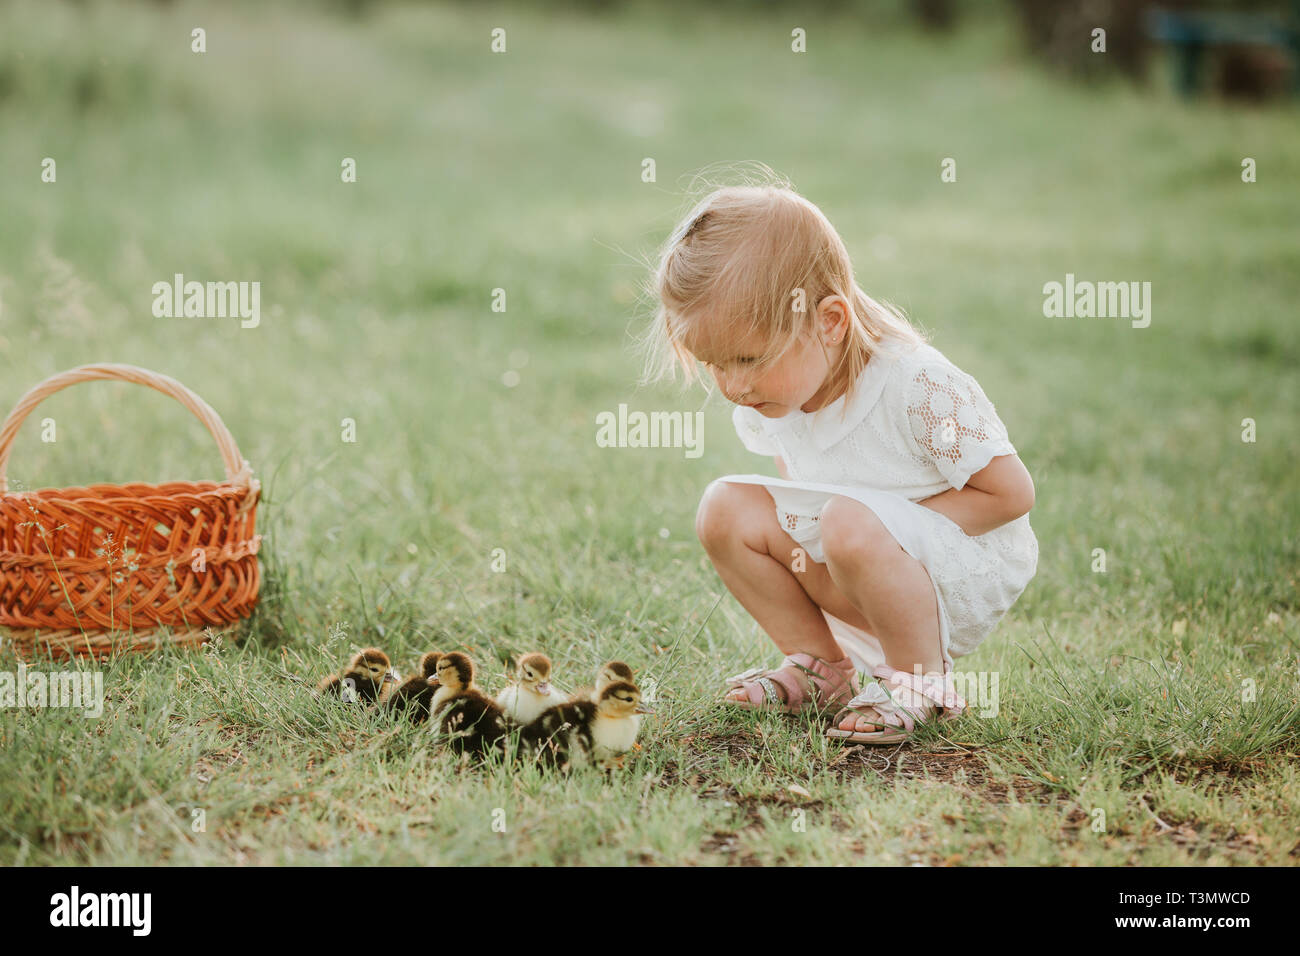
[{"x": 797, "y": 380}]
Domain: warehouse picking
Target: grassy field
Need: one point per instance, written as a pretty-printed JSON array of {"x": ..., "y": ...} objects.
[{"x": 1127, "y": 731}]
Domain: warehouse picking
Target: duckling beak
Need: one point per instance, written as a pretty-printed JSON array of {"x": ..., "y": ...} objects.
[
  {"x": 543, "y": 687},
  {"x": 643, "y": 709},
  {"x": 390, "y": 678}
]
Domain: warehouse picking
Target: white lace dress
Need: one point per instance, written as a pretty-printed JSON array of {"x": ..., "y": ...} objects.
[{"x": 912, "y": 426}]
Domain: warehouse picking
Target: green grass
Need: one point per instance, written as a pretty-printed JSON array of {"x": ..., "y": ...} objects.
[{"x": 1120, "y": 692}]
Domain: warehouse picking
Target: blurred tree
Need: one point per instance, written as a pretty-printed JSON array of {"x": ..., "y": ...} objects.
[
  {"x": 1060, "y": 32},
  {"x": 937, "y": 15}
]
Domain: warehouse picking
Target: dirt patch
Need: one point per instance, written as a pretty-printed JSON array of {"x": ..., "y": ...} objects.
[{"x": 963, "y": 768}]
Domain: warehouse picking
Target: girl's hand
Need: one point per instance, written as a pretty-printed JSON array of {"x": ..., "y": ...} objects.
[{"x": 999, "y": 492}]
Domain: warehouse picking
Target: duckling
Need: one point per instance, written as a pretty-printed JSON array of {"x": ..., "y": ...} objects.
[
  {"x": 561, "y": 736},
  {"x": 363, "y": 678},
  {"x": 609, "y": 672},
  {"x": 414, "y": 696},
  {"x": 617, "y": 723},
  {"x": 469, "y": 719},
  {"x": 531, "y": 693},
  {"x": 581, "y": 732}
]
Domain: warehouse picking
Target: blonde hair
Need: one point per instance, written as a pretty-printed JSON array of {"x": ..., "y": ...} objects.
[{"x": 759, "y": 258}]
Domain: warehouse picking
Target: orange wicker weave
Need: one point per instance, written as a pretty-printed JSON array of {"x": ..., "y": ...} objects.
[{"x": 98, "y": 570}]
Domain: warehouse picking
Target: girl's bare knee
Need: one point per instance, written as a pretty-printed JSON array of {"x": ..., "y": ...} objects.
[
  {"x": 851, "y": 532},
  {"x": 725, "y": 513},
  {"x": 713, "y": 521}
]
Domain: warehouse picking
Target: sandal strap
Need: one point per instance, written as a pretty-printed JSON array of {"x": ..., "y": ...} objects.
[
  {"x": 758, "y": 685},
  {"x": 871, "y": 695},
  {"x": 886, "y": 706},
  {"x": 937, "y": 688},
  {"x": 821, "y": 670},
  {"x": 827, "y": 681},
  {"x": 737, "y": 679},
  {"x": 794, "y": 692}
]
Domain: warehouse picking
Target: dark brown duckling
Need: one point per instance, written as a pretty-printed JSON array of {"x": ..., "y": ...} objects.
[
  {"x": 470, "y": 721},
  {"x": 363, "y": 678},
  {"x": 413, "y": 697}
]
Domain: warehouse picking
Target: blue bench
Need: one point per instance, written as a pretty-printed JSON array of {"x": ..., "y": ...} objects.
[{"x": 1192, "y": 33}]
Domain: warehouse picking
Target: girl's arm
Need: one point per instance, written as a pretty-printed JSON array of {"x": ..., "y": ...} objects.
[
  {"x": 1002, "y": 491},
  {"x": 780, "y": 467}
]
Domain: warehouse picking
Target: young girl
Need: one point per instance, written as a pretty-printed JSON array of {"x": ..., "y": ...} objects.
[{"x": 898, "y": 534}]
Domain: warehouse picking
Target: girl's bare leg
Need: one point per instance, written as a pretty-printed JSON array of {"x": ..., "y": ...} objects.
[
  {"x": 870, "y": 567},
  {"x": 868, "y": 580},
  {"x": 893, "y": 589},
  {"x": 738, "y": 527}
]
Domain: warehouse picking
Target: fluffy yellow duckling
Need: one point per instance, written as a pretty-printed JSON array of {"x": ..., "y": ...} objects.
[
  {"x": 607, "y": 674},
  {"x": 617, "y": 723},
  {"x": 581, "y": 732},
  {"x": 531, "y": 692}
]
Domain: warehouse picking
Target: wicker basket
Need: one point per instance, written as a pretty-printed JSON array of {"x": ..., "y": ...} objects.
[{"x": 98, "y": 570}]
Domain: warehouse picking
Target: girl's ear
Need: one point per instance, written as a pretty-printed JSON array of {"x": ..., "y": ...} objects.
[{"x": 833, "y": 314}]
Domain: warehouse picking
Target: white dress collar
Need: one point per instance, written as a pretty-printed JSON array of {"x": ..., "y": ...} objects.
[{"x": 832, "y": 422}]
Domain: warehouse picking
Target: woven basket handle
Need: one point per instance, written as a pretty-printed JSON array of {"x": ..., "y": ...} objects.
[{"x": 238, "y": 470}]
